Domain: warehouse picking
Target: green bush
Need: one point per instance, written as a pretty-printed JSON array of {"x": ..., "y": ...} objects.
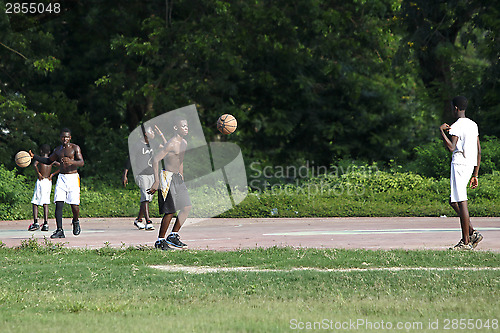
[
  {"x": 359, "y": 192},
  {"x": 12, "y": 186},
  {"x": 367, "y": 194},
  {"x": 490, "y": 155},
  {"x": 433, "y": 160},
  {"x": 13, "y": 192}
]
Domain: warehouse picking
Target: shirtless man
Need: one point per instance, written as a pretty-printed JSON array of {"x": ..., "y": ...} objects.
[
  {"x": 43, "y": 187},
  {"x": 173, "y": 195},
  {"x": 67, "y": 189}
]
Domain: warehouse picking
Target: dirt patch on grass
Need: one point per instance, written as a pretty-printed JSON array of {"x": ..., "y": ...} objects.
[{"x": 210, "y": 269}]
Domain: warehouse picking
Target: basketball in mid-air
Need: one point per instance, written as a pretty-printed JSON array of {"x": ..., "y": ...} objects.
[
  {"x": 226, "y": 124},
  {"x": 23, "y": 159}
]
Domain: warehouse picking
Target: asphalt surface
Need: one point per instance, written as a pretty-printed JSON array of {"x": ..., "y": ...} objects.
[{"x": 437, "y": 233}]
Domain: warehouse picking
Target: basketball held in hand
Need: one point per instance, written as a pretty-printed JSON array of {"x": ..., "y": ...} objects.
[
  {"x": 226, "y": 124},
  {"x": 23, "y": 159}
]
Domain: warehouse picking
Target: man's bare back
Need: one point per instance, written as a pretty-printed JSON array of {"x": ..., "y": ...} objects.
[{"x": 43, "y": 170}]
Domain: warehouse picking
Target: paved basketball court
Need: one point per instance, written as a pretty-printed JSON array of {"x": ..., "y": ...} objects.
[{"x": 229, "y": 234}]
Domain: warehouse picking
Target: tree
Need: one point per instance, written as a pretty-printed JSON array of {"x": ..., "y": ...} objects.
[{"x": 310, "y": 81}]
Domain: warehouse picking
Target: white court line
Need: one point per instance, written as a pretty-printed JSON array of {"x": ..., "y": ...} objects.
[
  {"x": 369, "y": 231},
  {"x": 208, "y": 269}
]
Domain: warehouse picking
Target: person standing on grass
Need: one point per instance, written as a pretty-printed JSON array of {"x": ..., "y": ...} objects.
[
  {"x": 173, "y": 195},
  {"x": 43, "y": 187},
  {"x": 69, "y": 155},
  {"x": 466, "y": 158},
  {"x": 143, "y": 166}
]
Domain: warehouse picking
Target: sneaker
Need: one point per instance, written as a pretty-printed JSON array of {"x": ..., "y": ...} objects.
[
  {"x": 149, "y": 226},
  {"x": 174, "y": 240},
  {"x": 76, "y": 228},
  {"x": 162, "y": 245},
  {"x": 139, "y": 224},
  {"x": 462, "y": 246},
  {"x": 33, "y": 227},
  {"x": 45, "y": 227},
  {"x": 59, "y": 233},
  {"x": 475, "y": 238}
]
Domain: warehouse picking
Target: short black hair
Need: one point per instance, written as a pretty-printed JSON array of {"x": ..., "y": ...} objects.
[
  {"x": 45, "y": 148},
  {"x": 460, "y": 102},
  {"x": 178, "y": 119},
  {"x": 65, "y": 129}
]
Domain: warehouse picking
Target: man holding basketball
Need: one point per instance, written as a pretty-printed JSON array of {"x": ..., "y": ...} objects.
[
  {"x": 67, "y": 189},
  {"x": 466, "y": 158},
  {"x": 173, "y": 195}
]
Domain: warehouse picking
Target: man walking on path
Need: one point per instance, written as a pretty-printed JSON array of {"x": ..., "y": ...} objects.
[
  {"x": 466, "y": 158},
  {"x": 142, "y": 157}
]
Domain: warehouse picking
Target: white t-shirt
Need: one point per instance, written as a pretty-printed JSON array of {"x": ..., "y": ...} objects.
[{"x": 466, "y": 150}]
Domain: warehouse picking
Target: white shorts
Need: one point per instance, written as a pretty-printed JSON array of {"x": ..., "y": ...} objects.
[
  {"x": 145, "y": 182},
  {"x": 41, "y": 195},
  {"x": 68, "y": 188},
  {"x": 459, "y": 179}
]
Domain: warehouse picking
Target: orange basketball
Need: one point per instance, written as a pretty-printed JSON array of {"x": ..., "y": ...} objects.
[
  {"x": 23, "y": 159},
  {"x": 226, "y": 124}
]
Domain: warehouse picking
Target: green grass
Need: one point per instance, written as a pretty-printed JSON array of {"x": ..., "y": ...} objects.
[{"x": 47, "y": 288}]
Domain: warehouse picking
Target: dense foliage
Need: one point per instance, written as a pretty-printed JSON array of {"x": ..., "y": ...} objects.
[
  {"x": 308, "y": 80},
  {"x": 359, "y": 191}
]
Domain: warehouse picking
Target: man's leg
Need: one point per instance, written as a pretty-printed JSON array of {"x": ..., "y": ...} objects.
[
  {"x": 45, "y": 213},
  {"x": 456, "y": 208},
  {"x": 45, "y": 226},
  {"x": 76, "y": 223},
  {"x": 59, "y": 233},
  {"x": 34, "y": 226},
  {"x": 464, "y": 220},
  {"x": 141, "y": 213},
  {"x": 149, "y": 224},
  {"x": 161, "y": 243},
  {"x": 35, "y": 213},
  {"x": 181, "y": 218},
  {"x": 138, "y": 221},
  {"x": 174, "y": 238},
  {"x": 145, "y": 210},
  {"x": 165, "y": 222}
]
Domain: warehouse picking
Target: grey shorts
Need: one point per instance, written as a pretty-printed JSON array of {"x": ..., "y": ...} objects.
[{"x": 145, "y": 182}]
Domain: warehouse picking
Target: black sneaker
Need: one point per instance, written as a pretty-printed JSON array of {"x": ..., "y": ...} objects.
[
  {"x": 33, "y": 227},
  {"x": 59, "y": 233},
  {"x": 162, "y": 245},
  {"x": 76, "y": 228},
  {"x": 45, "y": 227},
  {"x": 174, "y": 240}
]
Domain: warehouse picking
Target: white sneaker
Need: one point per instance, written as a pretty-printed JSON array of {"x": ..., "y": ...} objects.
[
  {"x": 139, "y": 224},
  {"x": 149, "y": 226}
]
